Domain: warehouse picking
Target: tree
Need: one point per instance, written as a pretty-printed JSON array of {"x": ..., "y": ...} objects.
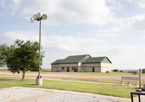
[
  {"x": 115, "y": 70},
  {"x": 5, "y": 51},
  {"x": 143, "y": 70},
  {"x": 25, "y": 57},
  {"x": 134, "y": 72},
  {"x": 121, "y": 70}
]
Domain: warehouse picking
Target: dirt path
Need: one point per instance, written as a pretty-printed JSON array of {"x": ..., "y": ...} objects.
[{"x": 75, "y": 76}]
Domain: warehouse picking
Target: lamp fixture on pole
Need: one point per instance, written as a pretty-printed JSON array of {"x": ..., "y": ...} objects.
[{"x": 38, "y": 17}]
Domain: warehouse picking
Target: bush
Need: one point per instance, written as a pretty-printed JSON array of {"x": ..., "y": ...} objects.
[
  {"x": 115, "y": 70},
  {"x": 121, "y": 70},
  {"x": 134, "y": 72},
  {"x": 143, "y": 70}
]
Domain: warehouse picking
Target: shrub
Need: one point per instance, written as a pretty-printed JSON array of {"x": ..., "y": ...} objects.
[
  {"x": 121, "y": 70},
  {"x": 134, "y": 72},
  {"x": 143, "y": 70},
  {"x": 115, "y": 70}
]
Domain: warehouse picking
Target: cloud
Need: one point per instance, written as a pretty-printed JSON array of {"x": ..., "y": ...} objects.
[
  {"x": 63, "y": 11},
  {"x": 140, "y": 3},
  {"x": 70, "y": 44},
  {"x": 12, "y": 13},
  {"x": 11, "y": 37},
  {"x": 85, "y": 45},
  {"x": 74, "y": 12},
  {"x": 111, "y": 29},
  {"x": 56, "y": 43},
  {"x": 107, "y": 35},
  {"x": 81, "y": 34},
  {"x": 62, "y": 46},
  {"x": 139, "y": 21},
  {"x": 67, "y": 43},
  {"x": 110, "y": 32},
  {"x": 136, "y": 22},
  {"x": 128, "y": 21},
  {"x": 116, "y": 5},
  {"x": 11, "y": 4}
]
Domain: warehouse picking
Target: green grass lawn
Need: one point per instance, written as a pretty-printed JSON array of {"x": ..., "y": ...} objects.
[
  {"x": 104, "y": 89},
  {"x": 91, "y": 73}
]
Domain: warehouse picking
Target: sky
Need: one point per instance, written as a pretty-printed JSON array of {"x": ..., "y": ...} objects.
[{"x": 112, "y": 28}]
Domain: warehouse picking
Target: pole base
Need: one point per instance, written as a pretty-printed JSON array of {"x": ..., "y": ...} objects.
[{"x": 38, "y": 81}]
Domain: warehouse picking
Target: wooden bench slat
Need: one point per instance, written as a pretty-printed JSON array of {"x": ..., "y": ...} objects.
[{"x": 131, "y": 78}]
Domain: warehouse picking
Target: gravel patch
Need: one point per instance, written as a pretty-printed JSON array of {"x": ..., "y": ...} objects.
[
  {"x": 16, "y": 93},
  {"x": 13, "y": 94},
  {"x": 69, "y": 97}
]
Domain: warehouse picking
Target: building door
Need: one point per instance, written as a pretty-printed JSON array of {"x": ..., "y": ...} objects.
[
  {"x": 75, "y": 69},
  {"x": 93, "y": 69},
  {"x": 67, "y": 69}
]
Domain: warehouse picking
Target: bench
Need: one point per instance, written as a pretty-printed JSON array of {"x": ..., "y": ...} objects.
[{"x": 129, "y": 82}]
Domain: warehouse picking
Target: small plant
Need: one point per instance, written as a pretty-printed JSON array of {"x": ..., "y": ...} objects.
[
  {"x": 134, "y": 72},
  {"x": 115, "y": 70},
  {"x": 143, "y": 70},
  {"x": 121, "y": 70}
]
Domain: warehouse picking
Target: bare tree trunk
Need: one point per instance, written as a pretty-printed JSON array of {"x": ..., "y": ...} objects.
[{"x": 23, "y": 76}]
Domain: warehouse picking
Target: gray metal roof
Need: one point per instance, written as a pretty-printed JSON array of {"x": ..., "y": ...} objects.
[
  {"x": 73, "y": 59},
  {"x": 96, "y": 59},
  {"x": 57, "y": 61},
  {"x": 78, "y": 58},
  {"x": 70, "y": 59}
]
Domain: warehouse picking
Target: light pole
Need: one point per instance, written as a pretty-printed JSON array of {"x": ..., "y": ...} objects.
[
  {"x": 140, "y": 72},
  {"x": 38, "y": 17}
]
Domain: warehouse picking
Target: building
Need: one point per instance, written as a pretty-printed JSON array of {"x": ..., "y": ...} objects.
[{"x": 79, "y": 63}]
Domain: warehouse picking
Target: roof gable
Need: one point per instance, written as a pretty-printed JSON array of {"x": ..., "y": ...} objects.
[
  {"x": 85, "y": 58},
  {"x": 106, "y": 60}
]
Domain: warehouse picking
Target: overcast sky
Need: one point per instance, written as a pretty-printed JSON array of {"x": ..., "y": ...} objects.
[{"x": 112, "y": 28}]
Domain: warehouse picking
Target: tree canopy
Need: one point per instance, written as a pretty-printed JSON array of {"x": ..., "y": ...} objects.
[
  {"x": 5, "y": 51},
  {"x": 115, "y": 70},
  {"x": 143, "y": 70},
  {"x": 24, "y": 57}
]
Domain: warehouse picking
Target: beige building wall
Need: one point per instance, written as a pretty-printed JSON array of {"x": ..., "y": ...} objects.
[
  {"x": 105, "y": 67},
  {"x": 67, "y": 65},
  {"x": 79, "y": 67},
  {"x": 55, "y": 68},
  {"x": 58, "y": 67},
  {"x": 89, "y": 67}
]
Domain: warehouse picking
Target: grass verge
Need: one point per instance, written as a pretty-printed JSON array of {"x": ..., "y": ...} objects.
[
  {"x": 103, "y": 89},
  {"x": 80, "y": 73}
]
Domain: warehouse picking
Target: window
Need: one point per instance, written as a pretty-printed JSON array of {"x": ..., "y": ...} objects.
[
  {"x": 73, "y": 68},
  {"x": 62, "y": 68}
]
